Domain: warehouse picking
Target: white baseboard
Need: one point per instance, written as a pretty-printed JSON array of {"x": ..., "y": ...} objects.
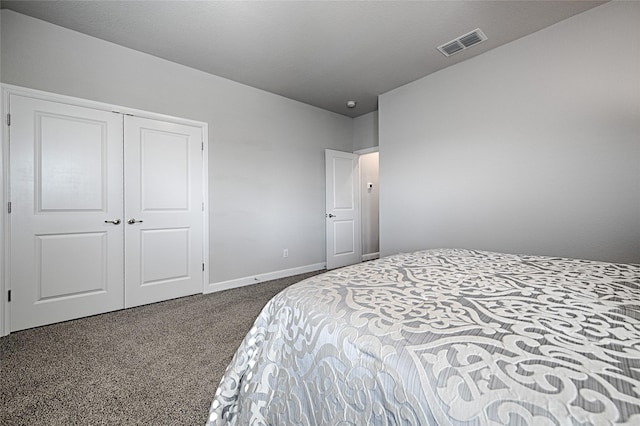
[
  {"x": 370, "y": 256},
  {"x": 255, "y": 279}
]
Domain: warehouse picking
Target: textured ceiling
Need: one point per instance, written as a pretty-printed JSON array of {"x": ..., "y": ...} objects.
[{"x": 320, "y": 53}]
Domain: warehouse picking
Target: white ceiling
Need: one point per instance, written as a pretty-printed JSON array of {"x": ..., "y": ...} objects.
[{"x": 318, "y": 52}]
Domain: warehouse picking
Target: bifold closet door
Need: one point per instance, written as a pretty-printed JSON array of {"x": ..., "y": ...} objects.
[
  {"x": 66, "y": 219},
  {"x": 163, "y": 211}
]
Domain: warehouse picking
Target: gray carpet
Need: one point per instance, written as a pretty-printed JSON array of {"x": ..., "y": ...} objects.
[{"x": 155, "y": 364}]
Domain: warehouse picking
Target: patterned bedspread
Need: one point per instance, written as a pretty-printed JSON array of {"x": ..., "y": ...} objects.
[{"x": 444, "y": 337}]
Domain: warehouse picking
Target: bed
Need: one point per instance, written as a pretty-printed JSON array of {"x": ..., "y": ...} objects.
[{"x": 443, "y": 337}]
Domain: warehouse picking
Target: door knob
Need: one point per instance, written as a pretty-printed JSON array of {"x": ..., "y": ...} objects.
[
  {"x": 332, "y": 215},
  {"x": 115, "y": 221},
  {"x": 132, "y": 221}
]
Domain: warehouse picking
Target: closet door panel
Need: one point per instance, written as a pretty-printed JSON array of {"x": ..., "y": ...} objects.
[
  {"x": 66, "y": 191},
  {"x": 163, "y": 208}
]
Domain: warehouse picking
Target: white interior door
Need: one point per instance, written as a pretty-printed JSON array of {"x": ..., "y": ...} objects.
[
  {"x": 66, "y": 218},
  {"x": 343, "y": 209},
  {"x": 163, "y": 211}
]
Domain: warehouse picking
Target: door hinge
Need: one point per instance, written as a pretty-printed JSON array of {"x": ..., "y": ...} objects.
[
  {"x": 8, "y": 119},
  {"x": 203, "y": 206},
  {"x": 9, "y": 207},
  {"x": 202, "y": 146},
  {"x": 9, "y": 296},
  {"x": 203, "y": 267}
]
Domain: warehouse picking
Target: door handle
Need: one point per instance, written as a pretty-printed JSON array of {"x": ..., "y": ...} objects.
[
  {"x": 332, "y": 215},
  {"x": 132, "y": 221},
  {"x": 114, "y": 221}
]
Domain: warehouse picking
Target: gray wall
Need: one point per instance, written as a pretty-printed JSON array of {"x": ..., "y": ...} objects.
[
  {"x": 266, "y": 152},
  {"x": 533, "y": 147},
  {"x": 365, "y": 131}
]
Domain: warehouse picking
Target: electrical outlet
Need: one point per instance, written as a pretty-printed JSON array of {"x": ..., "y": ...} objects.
[{"x": 285, "y": 253}]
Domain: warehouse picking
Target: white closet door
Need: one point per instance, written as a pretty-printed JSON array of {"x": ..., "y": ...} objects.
[
  {"x": 163, "y": 211},
  {"x": 66, "y": 219}
]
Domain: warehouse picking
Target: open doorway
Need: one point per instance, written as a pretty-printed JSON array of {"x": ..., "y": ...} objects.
[
  {"x": 351, "y": 207},
  {"x": 369, "y": 205}
]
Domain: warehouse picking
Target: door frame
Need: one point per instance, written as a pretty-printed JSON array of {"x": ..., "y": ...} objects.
[
  {"x": 359, "y": 153},
  {"x": 5, "y": 195}
]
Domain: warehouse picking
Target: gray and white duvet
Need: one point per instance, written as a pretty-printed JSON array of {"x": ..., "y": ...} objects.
[{"x": 443, "y": 337}]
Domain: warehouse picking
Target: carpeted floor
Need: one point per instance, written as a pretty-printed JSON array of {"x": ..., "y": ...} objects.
[{"x": 155, "y": 364}]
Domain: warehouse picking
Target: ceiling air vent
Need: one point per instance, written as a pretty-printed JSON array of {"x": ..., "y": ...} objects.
[{"x": 463, "y": 42}]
